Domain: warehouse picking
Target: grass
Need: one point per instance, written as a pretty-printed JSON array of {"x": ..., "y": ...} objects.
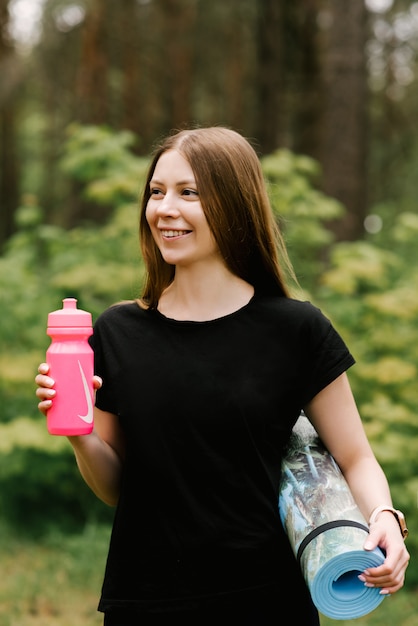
[
  {"x": 399, "y": 610},
  {"x": 56, "y": 582}
]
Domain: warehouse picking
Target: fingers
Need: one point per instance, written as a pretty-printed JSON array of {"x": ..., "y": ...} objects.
[
  {"x": 45, "y": 395},
  {"x": 396, "y": 577},
  {"x": 45, "y": 391},
  {"x": 97, "y": 382},
  {"x": 42, "y": 379},
  {"x": 387, "y": 584},
  {"x": 390, "y": 576}
]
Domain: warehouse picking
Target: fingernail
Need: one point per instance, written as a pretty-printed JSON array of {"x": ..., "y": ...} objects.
[
  {"x": 371, "y": 585},
  {"x": 362, "y": 578},
  {"x": 384, "y": 592}
]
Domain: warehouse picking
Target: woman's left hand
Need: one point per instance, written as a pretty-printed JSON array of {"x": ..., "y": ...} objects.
[{"x": 390, "y": 576}]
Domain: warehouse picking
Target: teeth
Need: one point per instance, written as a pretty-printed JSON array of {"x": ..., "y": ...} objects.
[{"x": 173, "y": 233}]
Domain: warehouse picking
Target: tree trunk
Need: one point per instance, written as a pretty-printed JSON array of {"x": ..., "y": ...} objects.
[
  {"x": 305, "y": 83},
  {"x": 235, "y": 69},
  {"x": 343, "y": 148},
  {"x": 270, "y": 74},
  {"x": 179, "y": 22},
  {"x": 91, "y": 82},
  {"x": 132, "y": 117},
  {"x": 9, "y": 176}
]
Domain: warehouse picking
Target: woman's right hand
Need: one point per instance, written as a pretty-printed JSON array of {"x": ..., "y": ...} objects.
[{"x": 46, "y": 392}]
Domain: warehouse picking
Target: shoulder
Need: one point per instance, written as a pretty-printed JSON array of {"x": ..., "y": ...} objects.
[
  {"x": 296, "y": 321},
  {"x": 294, "y": 311},
  {"x": 119, "y": 313}
]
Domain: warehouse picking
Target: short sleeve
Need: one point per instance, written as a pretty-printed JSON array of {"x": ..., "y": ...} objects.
[{"x": 329, "y": 354}]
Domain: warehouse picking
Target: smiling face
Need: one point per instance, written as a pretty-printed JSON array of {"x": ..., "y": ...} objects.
[
  {"x": 175, "y": 215},
  {"x": 233, "y": 200}
]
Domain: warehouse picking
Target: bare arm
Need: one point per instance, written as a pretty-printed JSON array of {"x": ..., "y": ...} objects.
[
  {"x": 100, "y": 454},
  {"x": 334, "y": 414}
]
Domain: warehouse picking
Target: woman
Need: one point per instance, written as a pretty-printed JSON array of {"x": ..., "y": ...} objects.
[{"x": 199, "y": 384}]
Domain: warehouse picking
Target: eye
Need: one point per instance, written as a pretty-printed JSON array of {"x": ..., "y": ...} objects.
[
  {"x": 154, "y": 191},
  {"x": 190, "y": 192}
]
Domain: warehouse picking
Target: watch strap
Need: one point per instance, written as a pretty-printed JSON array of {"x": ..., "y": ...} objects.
[{"x": 400, "y": 518}]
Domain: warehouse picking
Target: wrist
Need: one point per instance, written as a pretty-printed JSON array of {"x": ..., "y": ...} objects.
[{"x": 398, "y": 515}]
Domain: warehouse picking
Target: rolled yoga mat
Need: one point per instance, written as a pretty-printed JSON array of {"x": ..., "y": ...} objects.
[{"x": 325, "y": 528}]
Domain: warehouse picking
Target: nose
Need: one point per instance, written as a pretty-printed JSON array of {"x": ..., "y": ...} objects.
[{"x": 167, "y": 205}]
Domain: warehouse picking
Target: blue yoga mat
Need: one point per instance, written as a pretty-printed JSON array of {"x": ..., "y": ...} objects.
[{"x": 325, "y": 528}]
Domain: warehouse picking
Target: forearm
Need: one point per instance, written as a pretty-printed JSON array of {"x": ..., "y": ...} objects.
[
  {"x": 334, "y": 414},
  {"x": 369, "y": 485},
  {"x": 99, "y": 465}
]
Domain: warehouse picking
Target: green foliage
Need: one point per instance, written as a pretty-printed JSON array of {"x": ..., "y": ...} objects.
[
  {"x": 52, "y": 492},
  {"x": 301, "y": 210},
  {"x": 100, "y": 158},
  {"x": 40, "y": 486},
  {"x": 367, "y": 288},
  {"x": 96, "y": 265}
]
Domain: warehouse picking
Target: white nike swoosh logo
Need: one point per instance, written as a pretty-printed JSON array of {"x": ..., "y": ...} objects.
[{"x": 88, "y": 418}]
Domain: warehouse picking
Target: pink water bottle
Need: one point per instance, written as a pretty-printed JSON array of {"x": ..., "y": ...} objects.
[{"x": 70, "y": 360}]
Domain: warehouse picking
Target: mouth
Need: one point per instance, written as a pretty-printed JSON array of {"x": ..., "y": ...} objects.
[{"x": 170, "y": 234}]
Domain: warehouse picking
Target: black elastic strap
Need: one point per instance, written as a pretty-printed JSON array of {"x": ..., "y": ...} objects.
[{"x": 321, "y": 529}]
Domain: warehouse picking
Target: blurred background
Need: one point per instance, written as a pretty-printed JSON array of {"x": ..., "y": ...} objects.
[{"x": 327, "y": 92}]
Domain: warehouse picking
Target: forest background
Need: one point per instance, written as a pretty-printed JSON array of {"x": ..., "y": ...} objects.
[{"x": 327, "y": 92}]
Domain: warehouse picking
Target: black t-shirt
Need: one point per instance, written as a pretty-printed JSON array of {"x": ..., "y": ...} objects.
[{"x": 207, "y": 408}]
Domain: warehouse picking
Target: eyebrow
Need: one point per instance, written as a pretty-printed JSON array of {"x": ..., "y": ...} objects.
[{"x": 190, "y": 181}]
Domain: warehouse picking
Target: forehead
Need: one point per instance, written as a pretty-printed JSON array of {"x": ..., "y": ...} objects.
[{"x": 172, "y": 164}]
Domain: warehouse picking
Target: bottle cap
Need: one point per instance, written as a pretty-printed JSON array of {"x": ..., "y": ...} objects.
[{"x": 69, "y": 316}]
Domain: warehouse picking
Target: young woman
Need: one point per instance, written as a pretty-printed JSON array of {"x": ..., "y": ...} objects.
[{"x": 199, "y": 384}]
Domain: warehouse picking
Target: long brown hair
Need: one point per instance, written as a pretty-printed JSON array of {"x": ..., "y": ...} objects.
[{"x": 234, "y": 198}]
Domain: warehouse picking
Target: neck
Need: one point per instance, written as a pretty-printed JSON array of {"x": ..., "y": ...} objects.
[{"x": 202, "y": 296}]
